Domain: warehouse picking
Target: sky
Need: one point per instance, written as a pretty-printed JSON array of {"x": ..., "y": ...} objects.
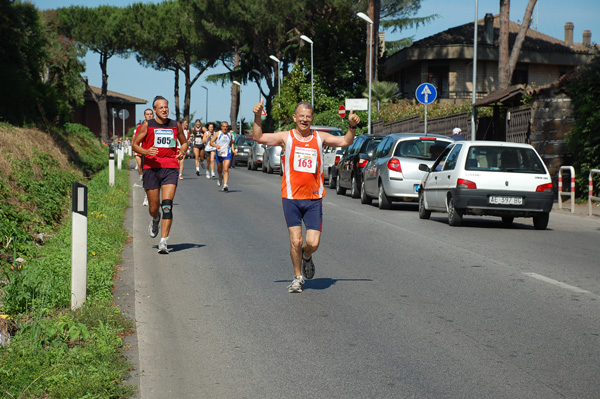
[{"x": 128, "y": 77}]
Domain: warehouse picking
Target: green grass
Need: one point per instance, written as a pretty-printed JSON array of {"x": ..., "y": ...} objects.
[{"x": 56, "y": 352}]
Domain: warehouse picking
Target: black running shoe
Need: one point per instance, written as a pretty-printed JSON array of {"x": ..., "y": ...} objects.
[{"x": 308, "y": 267}]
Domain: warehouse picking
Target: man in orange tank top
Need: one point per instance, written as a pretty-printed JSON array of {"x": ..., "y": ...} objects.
[{"x": 302, "y": 186}]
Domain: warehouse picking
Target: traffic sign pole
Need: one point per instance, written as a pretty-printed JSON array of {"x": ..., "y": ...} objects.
[{"x": 426, "y": 93}]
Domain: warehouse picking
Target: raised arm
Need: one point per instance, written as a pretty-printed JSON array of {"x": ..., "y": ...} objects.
[
  {"x": 347, "y": 139},
  {"x": 257, "y": 133}
]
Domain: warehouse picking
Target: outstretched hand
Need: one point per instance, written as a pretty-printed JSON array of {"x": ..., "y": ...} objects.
[
  {"x": 258, "y": 108},
  {"x": 353, "y": 119}
]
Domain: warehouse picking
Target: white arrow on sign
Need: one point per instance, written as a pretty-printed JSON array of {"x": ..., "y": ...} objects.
[{"x": 426, "y": 92}]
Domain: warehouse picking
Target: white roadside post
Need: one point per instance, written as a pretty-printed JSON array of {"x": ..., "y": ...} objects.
[
  {"x": 79, "y": 246},
  {"x": 111, "y": 166},
  {"x": 119, "y": 156}
]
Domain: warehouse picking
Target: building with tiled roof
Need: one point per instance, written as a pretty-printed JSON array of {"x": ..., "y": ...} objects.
[
  {"x": 445, "y": 60},
  {"x": 89, "y": 114}
]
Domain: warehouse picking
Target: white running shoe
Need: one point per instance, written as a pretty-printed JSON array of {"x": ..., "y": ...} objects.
[
  {"x": 296, "y": 285},
  {"x": 162, "y": 247},
  {"x": 141, "y": 177},
  {"x": 154, "y": 226},
  {"x": 220, "y": 182},
  {"x": 225, "y": 187},
  {"x": 212, "y": 174},
  {"x": 207, "y": 174}
]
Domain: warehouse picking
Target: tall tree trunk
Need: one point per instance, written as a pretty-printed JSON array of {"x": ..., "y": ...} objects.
[
  {"x": 235, "y": 94},
  {"x": 503, "y": 44},
  {"x": 187, "y": 96},
  {"x": 176, "y": 94},
  {"x": 101, "y": 100},
  {"x": 506, "y": 62},
  {"x": 516, "y": 50}
]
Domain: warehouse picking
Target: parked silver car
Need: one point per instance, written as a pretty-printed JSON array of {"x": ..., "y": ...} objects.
[
  {"x": 392, "y": 173},
  {"x": 255, "y": 156},
  {"x": 271, "y": 159}
]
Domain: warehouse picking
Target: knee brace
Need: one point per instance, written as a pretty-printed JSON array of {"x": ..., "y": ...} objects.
[{"x": 167, "y": 209}]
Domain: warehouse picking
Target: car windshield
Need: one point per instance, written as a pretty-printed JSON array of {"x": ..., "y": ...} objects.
[
  {"x": 504, "y": 159},
  {"x": 421, "y": 149}
]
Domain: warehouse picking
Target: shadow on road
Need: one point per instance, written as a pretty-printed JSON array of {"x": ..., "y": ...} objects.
[
  {"x": 323, "y": 283},
  {"x": 181, "y": 247}
]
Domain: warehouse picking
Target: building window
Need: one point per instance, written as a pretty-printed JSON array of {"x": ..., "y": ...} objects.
[
  {"x": 438, "y": 76},
  {"x": 520, "y": 76}
]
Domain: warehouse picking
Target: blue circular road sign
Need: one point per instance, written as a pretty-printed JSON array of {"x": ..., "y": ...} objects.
[{"x": 426, "y": 93}]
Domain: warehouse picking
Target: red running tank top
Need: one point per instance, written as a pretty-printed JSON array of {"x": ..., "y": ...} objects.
[
  {"x": 303, "y": 168},
  {"x": 164, "y": 138}
]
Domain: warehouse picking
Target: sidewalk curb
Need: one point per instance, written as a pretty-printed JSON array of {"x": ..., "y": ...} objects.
[{"x": 124, "y": 293}]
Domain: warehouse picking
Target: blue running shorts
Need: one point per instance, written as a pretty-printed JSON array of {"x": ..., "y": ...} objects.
[{"x": 308, "y": 210}]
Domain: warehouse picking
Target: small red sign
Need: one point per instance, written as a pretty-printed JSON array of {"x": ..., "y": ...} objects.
[{"x": 342, "y": 111}]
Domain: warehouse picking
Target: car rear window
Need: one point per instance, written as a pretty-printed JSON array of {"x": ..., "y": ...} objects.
[
  {"x": 504, "y": 159},
  {"x": 245, "y": 141},
  {"x": 421, "y": 149},
  {"x": 370, "y": 145}
]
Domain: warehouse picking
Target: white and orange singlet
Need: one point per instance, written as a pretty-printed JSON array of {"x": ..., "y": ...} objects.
[{"x": 303, "y": 167}]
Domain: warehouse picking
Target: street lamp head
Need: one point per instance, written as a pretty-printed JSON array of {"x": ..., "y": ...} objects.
[
  {"x": 204, "y": 87},
  {"x": 237, "y": 83},
  {"x": 274, "y": 59},
  {"x": 364, "y": 16},
  {"x": 306, "y": 39}
]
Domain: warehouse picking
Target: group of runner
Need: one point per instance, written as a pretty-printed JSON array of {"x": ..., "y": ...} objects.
[{"x": 163, "y": 144}]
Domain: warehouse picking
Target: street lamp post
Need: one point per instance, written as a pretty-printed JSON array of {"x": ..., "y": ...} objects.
[
  {"x": 278, "y": 84},
  {"x": 366, "y": 18},
  {"x": 240, "y": 105},
  {"x": 312, "y": 73},
  {"x": 474, "y": 94},
  {"x": 206, "y": 115}
]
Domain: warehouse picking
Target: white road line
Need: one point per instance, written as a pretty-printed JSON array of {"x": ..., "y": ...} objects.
[{"x": 557, "y": 283}]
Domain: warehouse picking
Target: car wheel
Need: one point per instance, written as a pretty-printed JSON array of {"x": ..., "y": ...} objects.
[
  {"x": 384, "y": 200},
  {"x": 540, "y": 221},
  {"x": 364, "y": 198},
  {"x": 354, "y": 189},
  {"x": 263, "y": 166},
  {"x": 332, "y": 180},
  {"x": 254, "y": 165},
  {"x": 249, "y": 164},
  {"x": 454, "y": 215},
  {"x": 281, "y": 170},
  {"x": 269, "y": 168},
  {"x": 507, "y": 220},
  {"x": 339, "y": 189},
  {"x": 423, "y": 213}
]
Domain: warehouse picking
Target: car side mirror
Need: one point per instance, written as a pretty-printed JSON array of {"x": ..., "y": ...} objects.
[{"x": 424, "y": 168}]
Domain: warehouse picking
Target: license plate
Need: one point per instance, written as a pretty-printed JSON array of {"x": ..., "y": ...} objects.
[{"x": 504, "y": 200}]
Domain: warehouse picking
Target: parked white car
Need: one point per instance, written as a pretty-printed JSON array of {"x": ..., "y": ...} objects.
[{"x": 491, "y": 178}]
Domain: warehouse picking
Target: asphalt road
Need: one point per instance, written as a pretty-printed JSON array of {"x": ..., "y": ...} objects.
[{"x": 399, "y": 307}]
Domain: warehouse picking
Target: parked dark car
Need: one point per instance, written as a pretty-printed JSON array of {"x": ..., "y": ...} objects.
[
  {"x": 354, "y": 159},
  {"x": 243, "y": 144}
]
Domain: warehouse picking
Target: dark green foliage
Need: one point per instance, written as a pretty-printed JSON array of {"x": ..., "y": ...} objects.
[{"x": 584, "y": 141}]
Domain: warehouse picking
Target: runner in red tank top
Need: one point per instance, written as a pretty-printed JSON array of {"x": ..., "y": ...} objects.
[
  {"x": 156, "y": 140},
  {"x": 302, "y": 182}
]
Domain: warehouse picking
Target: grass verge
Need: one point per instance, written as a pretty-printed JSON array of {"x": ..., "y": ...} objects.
[{"x": 55, "y": 352}]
